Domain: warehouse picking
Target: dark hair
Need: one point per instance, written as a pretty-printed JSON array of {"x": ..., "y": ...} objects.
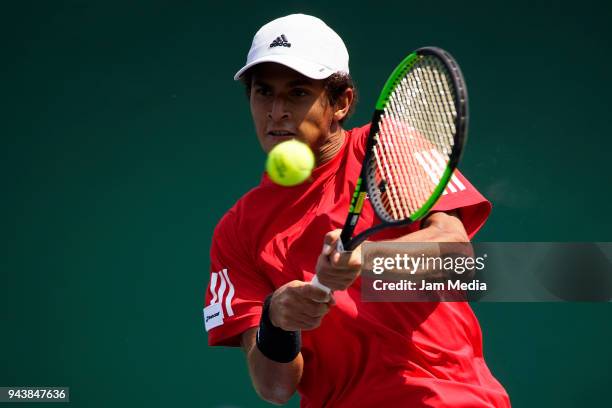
[{"x": 335, "y": 85}]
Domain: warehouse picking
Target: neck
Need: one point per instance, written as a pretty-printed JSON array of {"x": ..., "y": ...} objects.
[{"x": 331, "y": 146}]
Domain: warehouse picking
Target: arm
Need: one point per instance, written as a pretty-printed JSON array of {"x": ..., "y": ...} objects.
[
  {"x": 338, "y": 271},
  {"x": 294, "y": 306},
  {"x": 443, "y": 235},
  {"x": 438, "y": 227},
  {"x": 274, "y": 382}
]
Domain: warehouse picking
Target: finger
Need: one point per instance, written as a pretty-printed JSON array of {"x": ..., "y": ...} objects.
[
  {"x": 295, "y": 319},
  {"x": 329, "y": 241},
  {"x": 345, "y": 260},
  {"x": 331, "y": 265},
  {"x": 313, "y": 325},
  {"x": 308, "y": 322},
  {"x": 333, "y": 278},
  {"x": 317, "y": 284},
  {"x": 327, "y": 248},
  {"x": 303, "y": 322},
  {"x": 340, "y": 284},
  {"x": 312, "y": 293},
  {"x": 293, "y": 325},
  {"x": 315, "y": 309}
]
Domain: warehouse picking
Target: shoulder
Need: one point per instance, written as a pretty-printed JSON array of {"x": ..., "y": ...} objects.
[
  {"x": 233, "y": 223},
  {"x": 358, "y": 137},
  {"x": 247, "y": 218}
]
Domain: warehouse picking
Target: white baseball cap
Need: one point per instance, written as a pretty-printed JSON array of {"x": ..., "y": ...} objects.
[{"x": 303, "y": 43}]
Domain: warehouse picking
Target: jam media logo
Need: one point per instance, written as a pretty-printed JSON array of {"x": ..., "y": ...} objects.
[{"x": 280, "y": 42}]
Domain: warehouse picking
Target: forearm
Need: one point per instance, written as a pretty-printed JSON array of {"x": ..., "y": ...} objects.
[
  {"x": 274, "y": 382},
  {"x": 438, "y": 227},
  {"x": 442, "y": 236}
]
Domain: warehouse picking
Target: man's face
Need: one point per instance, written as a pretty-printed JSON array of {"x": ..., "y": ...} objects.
[{"x": 287, "y": 105}]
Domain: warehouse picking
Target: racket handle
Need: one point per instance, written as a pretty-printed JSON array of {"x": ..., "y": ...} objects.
[
  {"x": 315, "y": 282},
  {"x": 345, "y": 237}
]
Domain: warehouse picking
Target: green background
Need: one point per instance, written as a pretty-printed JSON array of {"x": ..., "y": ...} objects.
[{"x": 124, "y": 140}]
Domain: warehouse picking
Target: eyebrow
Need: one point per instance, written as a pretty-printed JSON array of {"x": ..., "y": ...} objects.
[
  {"x": 295, "y": 82},
  {"x": 300, "y": 82}
]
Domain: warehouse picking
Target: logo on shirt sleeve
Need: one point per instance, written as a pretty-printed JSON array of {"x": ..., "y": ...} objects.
[
  {"x": 222, "y": 291},
  {"x": 213, "y": 316},
  {"x": 434, "y": 165}
]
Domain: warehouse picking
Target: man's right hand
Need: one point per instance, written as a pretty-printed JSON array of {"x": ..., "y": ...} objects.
[{"x": 299, "y": 306}]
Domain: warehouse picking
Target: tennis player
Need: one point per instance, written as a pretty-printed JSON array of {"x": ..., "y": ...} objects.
[{"x": 335, "y": 351}]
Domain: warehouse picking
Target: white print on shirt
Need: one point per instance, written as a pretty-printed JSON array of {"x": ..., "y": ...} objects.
[
  {"x": 433, "y": 164},
  {"x": 213, "y": 313},
  {"x": 213, "y": 316}
]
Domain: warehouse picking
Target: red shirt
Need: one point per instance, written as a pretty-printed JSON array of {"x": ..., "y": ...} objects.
[{"x": 364, "y": 354}]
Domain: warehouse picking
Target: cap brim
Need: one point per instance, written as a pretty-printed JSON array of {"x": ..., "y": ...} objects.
[{"x": 304, "y": 67}]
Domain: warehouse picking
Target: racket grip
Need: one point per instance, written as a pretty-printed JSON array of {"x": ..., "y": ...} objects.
[
  {"x": 340, "y": 246},
  {"x": 315, "y": 282}
]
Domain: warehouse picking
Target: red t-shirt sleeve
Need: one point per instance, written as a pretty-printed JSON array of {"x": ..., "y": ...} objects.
[
  {"x": 236, "y": 291},
  {"x": 461, "y": 195},
  {"x": 359, "y": 136}
]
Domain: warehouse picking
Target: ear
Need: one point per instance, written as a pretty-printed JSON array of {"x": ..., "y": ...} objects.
[{"x": 343, "y": 105}]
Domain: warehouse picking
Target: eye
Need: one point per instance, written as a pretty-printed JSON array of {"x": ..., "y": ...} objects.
[
  {"x": 299, "y": 92},
  {"x": 262, "y": 90}
]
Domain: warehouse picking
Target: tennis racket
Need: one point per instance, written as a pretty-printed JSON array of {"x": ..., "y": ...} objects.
[{"x": 421, "y": 119}]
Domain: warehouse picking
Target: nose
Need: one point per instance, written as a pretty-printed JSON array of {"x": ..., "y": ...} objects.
[{"x": 278, "y": 110}]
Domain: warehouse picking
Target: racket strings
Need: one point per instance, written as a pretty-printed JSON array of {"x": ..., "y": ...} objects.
[{"x": 415, "y": 138}]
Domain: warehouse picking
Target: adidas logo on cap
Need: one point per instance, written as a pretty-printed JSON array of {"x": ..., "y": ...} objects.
[
  {"x": 303, "y": 53},
  {"x": 280, "y": 42}
]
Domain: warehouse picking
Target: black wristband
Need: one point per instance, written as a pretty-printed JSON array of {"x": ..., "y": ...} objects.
[{"x": 275, "y": 343}]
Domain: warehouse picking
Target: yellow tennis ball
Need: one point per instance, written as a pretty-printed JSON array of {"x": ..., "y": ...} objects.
[{"x": 290, "y": 163}]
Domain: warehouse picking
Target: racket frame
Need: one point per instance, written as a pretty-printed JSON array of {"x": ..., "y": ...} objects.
[{"x": 364, "y": 185}]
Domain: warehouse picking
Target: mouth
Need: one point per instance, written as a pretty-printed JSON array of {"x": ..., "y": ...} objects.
[{"x": 280, "y": 133}]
